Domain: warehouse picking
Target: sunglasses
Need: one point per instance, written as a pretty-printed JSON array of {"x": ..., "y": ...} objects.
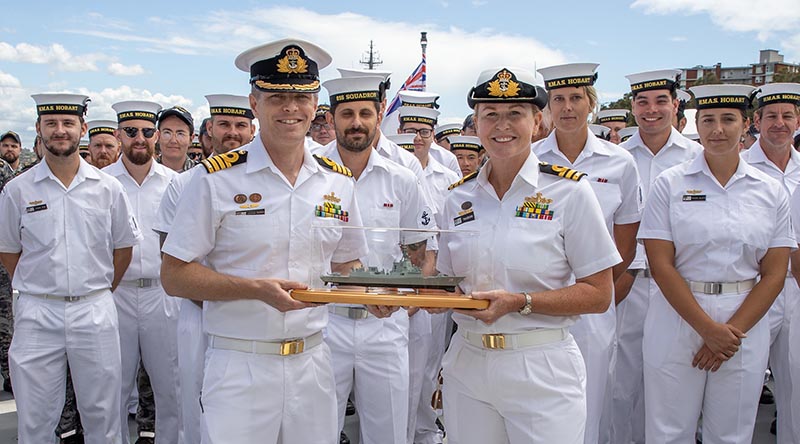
[
  {"x": 84, "y": 154},
  {"x": 195, "y": 156},
  {"x": 132, "y": 132}
]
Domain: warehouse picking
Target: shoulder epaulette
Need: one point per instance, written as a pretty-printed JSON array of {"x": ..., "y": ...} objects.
[
  {"x": 333, "y": 166},
  {"x": 224, "y": 160},
  {"x": 466, "y": 178},
  {"x": 561, "y": 171}
]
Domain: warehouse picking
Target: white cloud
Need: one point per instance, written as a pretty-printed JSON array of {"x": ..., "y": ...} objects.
[
  {"x": 118, "y": 69},
  {"x": 161, "y": 21},
  {"x": 9, "y": 81},
  {"x": 677, "y": 38},
  {"x": 479, "y": 3},
  {"x": 735, "y": 15},
  {"x": 55, "y": 54}
]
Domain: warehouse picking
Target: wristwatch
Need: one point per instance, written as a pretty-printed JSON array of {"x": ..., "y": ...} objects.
[{"x": 527, "y": 308}]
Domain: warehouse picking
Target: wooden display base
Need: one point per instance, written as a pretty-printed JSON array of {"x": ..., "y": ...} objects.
[{"x": 393, "y": 297}]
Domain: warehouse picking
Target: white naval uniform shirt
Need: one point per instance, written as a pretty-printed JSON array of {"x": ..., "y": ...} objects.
[
  {"x": 268, "y": 235},
  {"x": 678, "y": 149},
  {"x": 172, "y": 195},
  {"x": 756, "y": 157},
  {"x": 67, "y": 236},
  {"x": 519, "y": 253},
  {"x": 144, "y": 199},
  {"x": 438, "y": 179},
  {"x": 720, "y": 233},
  {"x": 611, "y": 171},
  {"x": 445, "y": 157}
]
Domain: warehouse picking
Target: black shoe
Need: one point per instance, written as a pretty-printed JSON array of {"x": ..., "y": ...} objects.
[
  {"x": 773, "y": 428},
  {"x": 766, "y": 396},
  {"x": 7, "y": 386},
  {"x": 74, "y": 439},
  {"x": 343, "y": 439},
  {"x": 351, "y": 409}
]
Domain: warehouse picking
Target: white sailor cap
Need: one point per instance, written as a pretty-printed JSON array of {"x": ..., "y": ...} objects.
[
  {"x": 569, "y": 75},
  {"x": 287, "y": 65},
  {"x": 418, "y": 98},
  {"x": 405, "y": 141},
  {"x": 74, "y": 104},
  {"x": 507, "y": 85},
  {"x": 627, "y": 132},
  {"x": 418, "y": 114},
  {"x": 101, "y": 127},
  {"x": 649, "y": 80},
  {"x": 355, "y": 72},
  {"x": 599, "y": 130},
  {"x": 136, "y": 110},
  {"x": 83, "y": 145},
  {"x": 683, "y": 96},
  {"x": 448, "y": 127},
  {"x": 722, "y": 96},
  {"x": 229, "y": 105},
  {"x": 778, "y": 93},
  {"x": 612, "y": 115},
  {"x": 352, "y": 89},
  {"x": 470, "y": 143}
]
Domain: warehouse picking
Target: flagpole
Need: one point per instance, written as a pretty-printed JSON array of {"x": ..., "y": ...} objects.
[{"x": 423, "y": 42}]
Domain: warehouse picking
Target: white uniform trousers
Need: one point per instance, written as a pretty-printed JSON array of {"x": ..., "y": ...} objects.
[
  {"x": 251, "y": 398},
  {"x": 676, "y": 393},
  {"x": 192, "y": 344},
  {"x": 148, "y": 321},
  {"x": 425, "y": 351},
  {"x": 531, "y": 395},
  {"x": 794, "y": 368},
  {"x": 780, "y": 317},
  {"x": 48, "y": 333},
  {"x": 628, "y": 410},
  {"x": 595, "y": 335},
  {"x": 370, "y": 356}
]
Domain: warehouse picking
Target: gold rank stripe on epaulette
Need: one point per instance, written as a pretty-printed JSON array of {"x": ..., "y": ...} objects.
[
  {"x": 224, "y": 160},
  {"x": 333, "y": 166},
  {"x": 464, "y": 179},
  {"x": 561, "y": 171}
]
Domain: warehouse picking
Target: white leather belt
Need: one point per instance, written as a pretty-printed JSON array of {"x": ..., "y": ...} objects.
[
  {"x": 141, "y": 283},
  {"x": 349, "y": 312},
  {"x": 282, "y": 348},
  {"x": 501, "y": 341},
  {"x": 53, "y": 297},
  {"x": 721, "y": 287}
]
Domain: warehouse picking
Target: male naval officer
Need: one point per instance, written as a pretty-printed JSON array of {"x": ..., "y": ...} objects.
[
  {"x": 103, "y": 145},
  {"x": 147, "y": 316},
  {"x": 371, "y": 354},
  {"x": 67, "y": 239},
  {"x": 229, "y": 127},
  {"x": 249, "y": 217}
]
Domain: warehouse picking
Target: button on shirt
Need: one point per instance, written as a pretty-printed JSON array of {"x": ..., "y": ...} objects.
[
  {"x": 520, "y": 253},
  {"x": 611, "y": 171},
  {"x": 678, "y": 149},
  {"x": 268, "y": 234},
  {"x": 67, "y": 236},
  {"x": 720, "y": 233},
  {"x": 144, "y": 199}
]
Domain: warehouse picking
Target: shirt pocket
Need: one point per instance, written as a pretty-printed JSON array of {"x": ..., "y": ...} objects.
[
  {"x": 609, "y": 197},
  {"x": 756, "y": 225},
  {"x": 251, "y": 239},
  {"x": 695, "y": 223},
  {"x": 531, "y": 245},
  {"x": 96, "y": 228},
  {"x": 38, "y": 231}
]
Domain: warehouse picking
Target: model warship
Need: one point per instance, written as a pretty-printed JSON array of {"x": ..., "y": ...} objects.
[{"x": 404, "y": 274}]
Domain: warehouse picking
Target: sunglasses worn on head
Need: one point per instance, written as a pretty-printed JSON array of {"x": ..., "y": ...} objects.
[{"x": 132, "y": 132}]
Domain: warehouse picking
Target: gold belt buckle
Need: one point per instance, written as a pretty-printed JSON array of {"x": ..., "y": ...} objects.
[
  {"x": 292, "y": 347},
  {"x": 494, "y": 341}
]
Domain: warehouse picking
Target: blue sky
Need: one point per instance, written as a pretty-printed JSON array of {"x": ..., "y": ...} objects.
[{"x": 177, "y": 52}]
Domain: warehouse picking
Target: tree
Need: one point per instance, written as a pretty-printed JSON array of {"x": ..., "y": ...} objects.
[
  {"x": 786, "y": 76},
  {"x": 708, "y": 79}
]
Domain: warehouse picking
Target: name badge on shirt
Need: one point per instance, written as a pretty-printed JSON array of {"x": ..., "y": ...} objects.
[
  {"x": 466, "y": 215},
  {"x": 35, "y": 208},
  {"x": 693, "y": 198},
  {"x": 250, "y": 212}
]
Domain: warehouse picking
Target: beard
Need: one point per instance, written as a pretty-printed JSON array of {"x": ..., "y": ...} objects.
[
  {"x": 10, "y": 156},
  {"x": 49, "y": 145},
  {"x": 102, "y": 160},
  {"x": 227, "y": 143},
  {"x": 355, "y": 146},
  {"x": 139, "y": 157}
]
